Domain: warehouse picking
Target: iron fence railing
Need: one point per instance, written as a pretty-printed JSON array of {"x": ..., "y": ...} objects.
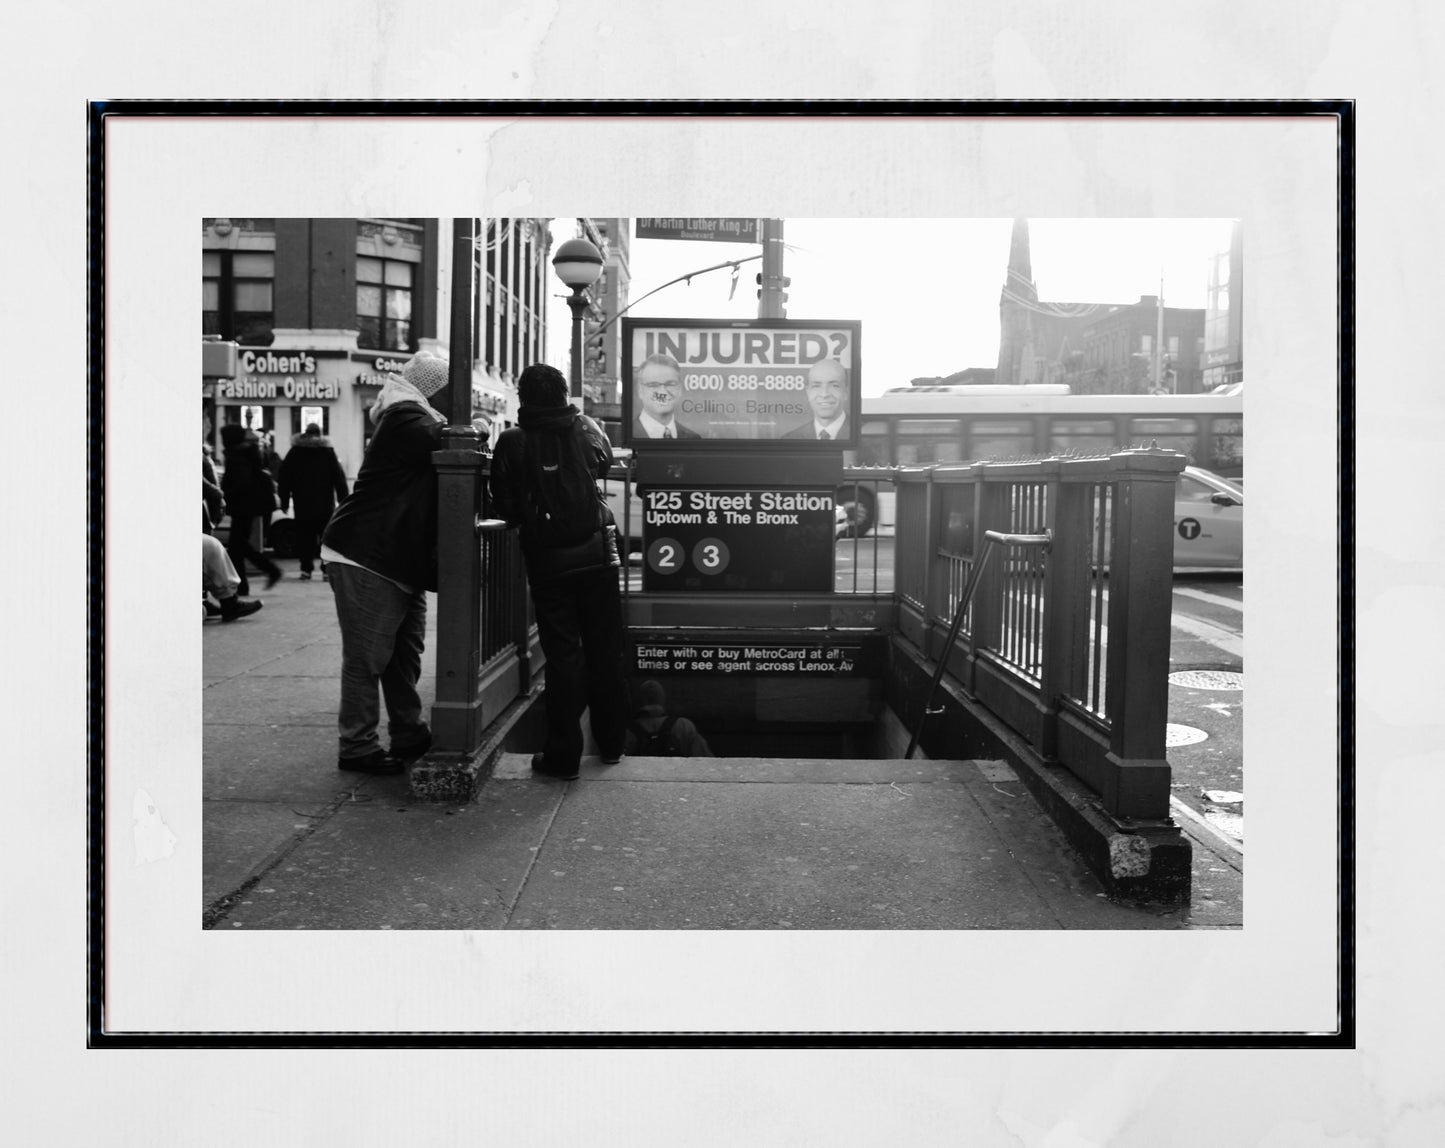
[{"x": 1068, "y": 644}]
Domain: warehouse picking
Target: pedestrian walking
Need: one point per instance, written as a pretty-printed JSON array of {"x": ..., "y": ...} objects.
[
  {"x": 380, "y": 551},
  {"x": 653, "y": 732},
  {"x": 312, "y": 477},
  {"x": 544, "y": 482},
  {"x": 250, "y": 495}
]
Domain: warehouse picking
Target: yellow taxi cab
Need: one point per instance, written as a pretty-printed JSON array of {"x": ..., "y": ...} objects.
[{"x": 1208, "y": 520}]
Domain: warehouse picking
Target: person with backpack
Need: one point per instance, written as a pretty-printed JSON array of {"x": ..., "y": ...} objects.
[
  {"x": 544, "y": 482},
  {"x": 653, "y": 732},
  {"x": 380, "y": 551}
]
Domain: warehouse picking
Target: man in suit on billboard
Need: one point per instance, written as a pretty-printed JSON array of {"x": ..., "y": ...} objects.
[
  {"x": 657, "y": 387},
  {"x": 827, "y": 393}
]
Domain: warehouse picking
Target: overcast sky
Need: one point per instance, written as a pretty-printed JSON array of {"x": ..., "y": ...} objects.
[{"x": 926, "y": 291}]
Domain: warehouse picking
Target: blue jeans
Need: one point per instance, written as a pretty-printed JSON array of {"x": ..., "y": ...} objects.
[{"x": 383, "y": 630}]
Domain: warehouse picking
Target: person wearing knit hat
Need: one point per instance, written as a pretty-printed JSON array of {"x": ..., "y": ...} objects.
[
  {"x": 655, "y": 733},
  {"x": 380, "y": 552},
  {"x": 427, "y": 372}
]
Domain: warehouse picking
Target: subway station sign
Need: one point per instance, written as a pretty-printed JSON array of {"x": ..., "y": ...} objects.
[{"x": 738, "y": 539}]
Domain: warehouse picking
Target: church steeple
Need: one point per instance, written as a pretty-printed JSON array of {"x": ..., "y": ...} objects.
[
  {"x": 1016, "y": 304},
  {"x": 1020, "y": 279}
]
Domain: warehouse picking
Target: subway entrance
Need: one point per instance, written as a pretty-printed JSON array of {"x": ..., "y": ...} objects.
[{"x": 762, "y": 694}]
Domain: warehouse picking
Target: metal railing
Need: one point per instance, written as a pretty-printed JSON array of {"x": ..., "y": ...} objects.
[
  {"x": 1042, "y": 640},
  {"x": 1067, "y": 644}
]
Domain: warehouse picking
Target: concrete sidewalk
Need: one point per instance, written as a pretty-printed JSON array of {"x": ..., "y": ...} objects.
[{"x": 290, "y": 842}]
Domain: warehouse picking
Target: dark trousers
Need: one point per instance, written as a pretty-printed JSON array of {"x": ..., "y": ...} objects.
[
  {"x": 308, "y": 540},
  {"x": 383, "y": 630},
  {"x": 238, "y": 546},
  {"x": 579, "y": 623}
]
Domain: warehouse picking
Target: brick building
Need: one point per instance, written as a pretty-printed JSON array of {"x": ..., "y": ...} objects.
[{"x": 321, "y": 309}]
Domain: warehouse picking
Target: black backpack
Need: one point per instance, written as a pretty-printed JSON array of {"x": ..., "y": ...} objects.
[
  {"x": 560, "y": 503},
  {"x": 657, "y": 744}
]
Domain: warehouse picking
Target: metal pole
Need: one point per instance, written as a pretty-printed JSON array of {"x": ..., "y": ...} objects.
[
  {"x": 770, "y": 302},
  {"x": 450, "y": 770},
  {"x": 1159, "y": 336},
  {"x": 578, "y": 303},
  {"x": 459, "y": 376}
]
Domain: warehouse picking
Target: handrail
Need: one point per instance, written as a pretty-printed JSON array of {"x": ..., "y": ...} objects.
[{"x": 990, "y": 539}]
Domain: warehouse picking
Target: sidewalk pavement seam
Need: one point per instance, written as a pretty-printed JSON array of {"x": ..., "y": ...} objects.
[
  {"x": 510, "y": 908},
  {"x": 217, "y": 911},
  {"x": 1028, "y": 876}
]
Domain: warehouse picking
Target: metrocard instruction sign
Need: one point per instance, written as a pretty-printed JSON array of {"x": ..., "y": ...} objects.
[{"x": 747, "y": 659}]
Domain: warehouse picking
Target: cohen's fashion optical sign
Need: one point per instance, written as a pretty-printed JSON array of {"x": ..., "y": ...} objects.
[{"x": 268, "y": 375}]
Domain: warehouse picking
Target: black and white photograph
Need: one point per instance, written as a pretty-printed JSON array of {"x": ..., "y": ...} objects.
[{"x": 979, "y": 665}]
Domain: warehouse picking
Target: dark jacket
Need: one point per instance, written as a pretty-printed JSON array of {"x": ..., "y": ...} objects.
[
  {"x": 509, "y": 475},
  {"x": 213, "y": 502},
  {"x": 247, "y": 484},
  {"x": 388, "y": 523},
  {"x": 312, "y": 475},
  {"x": 686, "y": 740}
]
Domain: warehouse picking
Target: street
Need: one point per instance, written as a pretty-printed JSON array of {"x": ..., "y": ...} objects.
[{"x": 1206, "y": 699}]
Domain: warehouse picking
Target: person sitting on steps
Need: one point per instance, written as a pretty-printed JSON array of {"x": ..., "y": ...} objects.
[
  {"x": 655, "y": 733},
  {"x": 219, "y": 576}
]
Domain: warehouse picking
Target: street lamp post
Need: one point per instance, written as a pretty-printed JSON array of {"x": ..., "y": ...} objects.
[{"x": 578, "y": 264}]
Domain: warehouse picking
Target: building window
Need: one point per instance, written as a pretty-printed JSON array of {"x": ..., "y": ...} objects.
[
  {"x": 383, "y": 304},
  {"x": 1146, "y": 343},
  {"x": 237, "y": 295},
  {"x": 1174, "y": 346}
]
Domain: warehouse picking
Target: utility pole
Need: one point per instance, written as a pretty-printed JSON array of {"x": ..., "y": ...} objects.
[
  {"x": 1159, "y": 337},
  {"x": 771, "y": 297}
]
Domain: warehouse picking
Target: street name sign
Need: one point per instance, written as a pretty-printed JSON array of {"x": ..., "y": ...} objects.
[{"x": 713, "y": 229}]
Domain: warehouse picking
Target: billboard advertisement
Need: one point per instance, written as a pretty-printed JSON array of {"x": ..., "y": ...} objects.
[{"x": 791, "y": 383}]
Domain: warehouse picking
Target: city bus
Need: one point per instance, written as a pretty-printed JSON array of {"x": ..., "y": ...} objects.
[{"x": 921, "y": 425}]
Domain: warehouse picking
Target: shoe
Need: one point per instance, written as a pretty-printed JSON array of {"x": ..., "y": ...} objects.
[
  {"x": 611, "y": 758},
  {"x": 273, "y": 577},
  {"x": 378, "y": 761},
  {"x": 412, "y": 749},
  {"x": 305, "y": 575},
  {"x": 233, "y": 608},
  {"x": 212, "y": 610},
  {"x": 539, "y": 765}
]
